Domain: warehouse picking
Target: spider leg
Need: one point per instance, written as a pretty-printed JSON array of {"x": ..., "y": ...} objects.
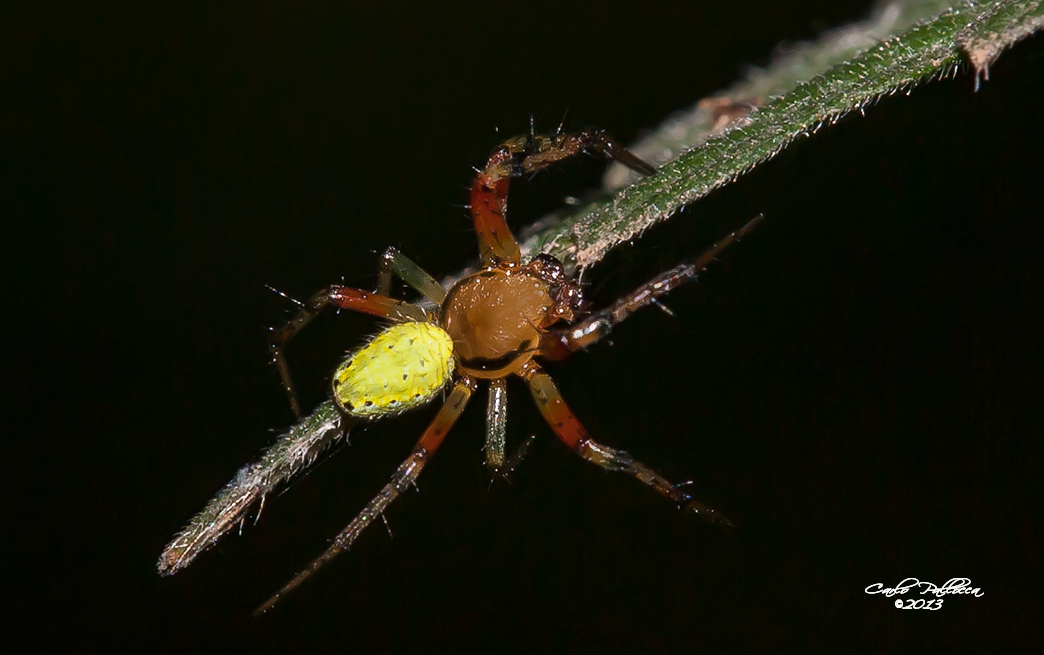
[
  {"x": 488, "y": 204},
  {"x": 344, "y": 298},
  {"x": 405, "y": 476},
  {"x": 496, "y": 434},
  {"x": 517, "y": 455},
  {"x": 522, "y": 156},
  {"x": 571, "y": 432},
  {"x": 496, "y": 425},
  {"x": 394, "y": 262},
  {"x": 559, "y": 344}
]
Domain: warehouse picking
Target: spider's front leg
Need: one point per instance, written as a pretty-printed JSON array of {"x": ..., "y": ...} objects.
[
  {"x": 570, "y": 431},
  {"x": 405, "y": 476},
  {"x": 522, "y": 156}
]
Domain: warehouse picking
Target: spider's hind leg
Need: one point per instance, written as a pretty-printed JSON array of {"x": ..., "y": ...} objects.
[
  {"x": 571, "y": 432},
  {"x": 343, "y": 298},
  {"x": 403, "y": 478},
  {"x": 379, "y": 303}
]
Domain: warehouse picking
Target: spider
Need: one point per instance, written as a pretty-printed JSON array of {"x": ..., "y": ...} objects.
[{"x": 489, "y": 325}]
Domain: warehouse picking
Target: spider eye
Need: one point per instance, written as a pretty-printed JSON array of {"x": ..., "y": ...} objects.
[
  {"x": 569, "y": 296},
  {"x": 548, "y": 269}
]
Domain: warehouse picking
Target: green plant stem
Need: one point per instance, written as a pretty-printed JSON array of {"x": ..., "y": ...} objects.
[{"x": 929, "y": 50}]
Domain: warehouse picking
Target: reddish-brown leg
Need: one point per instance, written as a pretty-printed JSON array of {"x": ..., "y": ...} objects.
[
  {"x": 488, "y": 202},
  {"x": 401, "y": 480},
  {"x": 572, "y": 433},
  {"x": 521, "y": 156},
  {"x": 559, "y": 344},
  {"x": 344, "y": 298}
]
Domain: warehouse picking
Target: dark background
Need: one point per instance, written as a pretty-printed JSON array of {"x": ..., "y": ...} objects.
[{"x": 857, "y": 385}]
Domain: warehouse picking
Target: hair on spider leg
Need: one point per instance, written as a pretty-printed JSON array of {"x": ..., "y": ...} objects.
[
  {"x": 284, "y": 295},
  {"x": 663, "y": 308},
  {"x": 561, "y": 123},
  {"x": 513, "y": 462},
  {"x": 507, "y": 470}
]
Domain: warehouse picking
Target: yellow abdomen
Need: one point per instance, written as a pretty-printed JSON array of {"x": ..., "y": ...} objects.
[{"x": 401, "y": 368}]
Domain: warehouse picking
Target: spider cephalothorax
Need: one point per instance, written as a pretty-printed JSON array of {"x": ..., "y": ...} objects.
[
  {"x": 497, "y": 316},
  {"x": 490, "y": 325}
]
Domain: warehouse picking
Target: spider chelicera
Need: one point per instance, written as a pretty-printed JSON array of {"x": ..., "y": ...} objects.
[{"x": 489, "y": 325}]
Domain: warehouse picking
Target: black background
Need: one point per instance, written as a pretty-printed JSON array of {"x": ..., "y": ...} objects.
[{"x": 857, "y": 385}]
